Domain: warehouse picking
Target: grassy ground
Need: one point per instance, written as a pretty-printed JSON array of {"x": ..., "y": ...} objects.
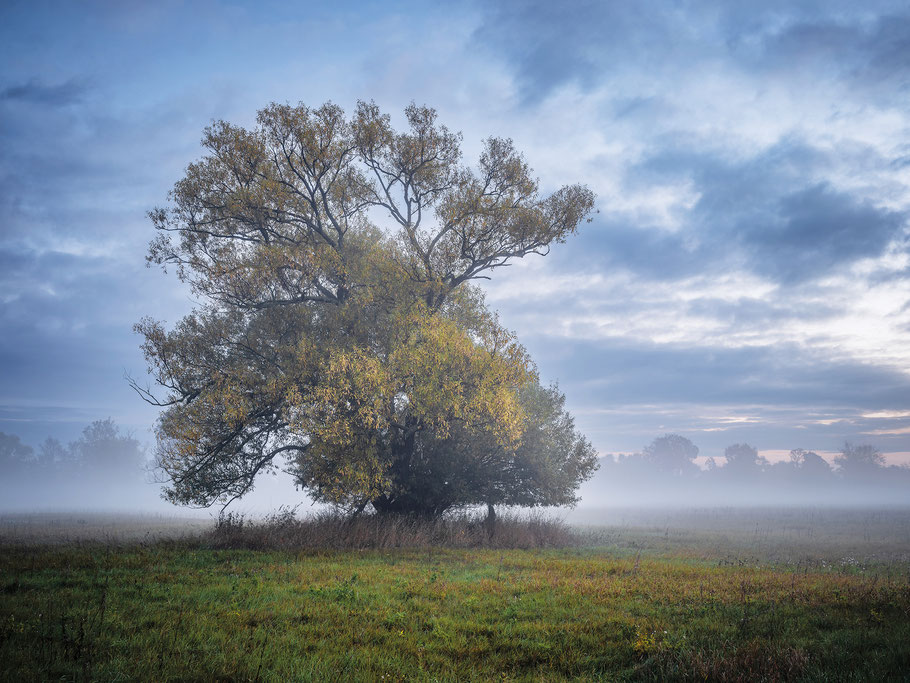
[{"x": 636, "y": 608}]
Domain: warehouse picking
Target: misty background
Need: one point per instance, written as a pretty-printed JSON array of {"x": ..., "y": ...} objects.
[
  {"x": 105, "y": 469},
  {"x": 745, "y": 282}
]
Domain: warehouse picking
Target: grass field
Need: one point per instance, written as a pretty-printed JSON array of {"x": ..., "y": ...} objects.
[{"x": 743, "y": 599}]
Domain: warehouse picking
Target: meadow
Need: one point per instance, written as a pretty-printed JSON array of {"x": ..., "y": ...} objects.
[{"x": 720, "y": 595}]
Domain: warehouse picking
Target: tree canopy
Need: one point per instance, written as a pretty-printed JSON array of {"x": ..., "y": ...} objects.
[{"x": 340, "y": 333}]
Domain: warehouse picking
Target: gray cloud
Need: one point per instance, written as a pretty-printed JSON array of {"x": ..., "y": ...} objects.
[
  {"x": 586, "y": 42},
  {"x": 554, "y": 43},
  {"x": 759, "y": 313},
  {"x": 34, "y": 91},
  {"x": 872, "y": 57},
  {"x": 766, "y": 213},
  {"x": 612, "y": 243},
  {"x": 621, "y": 372},
  {"x": 818, "y": 228},
  {"x": 627, "y": 393}
]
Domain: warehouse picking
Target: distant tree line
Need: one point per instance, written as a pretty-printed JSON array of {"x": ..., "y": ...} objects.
[
  {"x": 101, "y": 466},
  {"x": 666, "y": 471},
  {"x": 106, "y": 466}
]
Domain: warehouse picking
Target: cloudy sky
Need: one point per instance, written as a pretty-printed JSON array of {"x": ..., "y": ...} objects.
[{"x": 747, "y": 277}]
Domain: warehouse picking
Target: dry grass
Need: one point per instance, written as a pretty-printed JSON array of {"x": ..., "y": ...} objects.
[
  {"x": 111, "y": 528},
  {"x": 331, "y": 530}
]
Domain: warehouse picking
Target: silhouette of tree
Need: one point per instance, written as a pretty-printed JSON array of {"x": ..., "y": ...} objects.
[
  {"x": 15, "y": 456},
  {"x": 53, "y": 456},
  {"x": 743, "y": 461},
  {"x": 860, "y": 463},
  {"x": 103, "y": 450},
  {"x": 672, "y": 454},
  {"x": 810, "y": 465}
]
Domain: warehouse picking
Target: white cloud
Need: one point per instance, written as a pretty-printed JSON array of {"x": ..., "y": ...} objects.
[
  {"x": 887, "y": 414},
  {"x": 859, "y": 317},
  {"x": 897, "y": 431}
]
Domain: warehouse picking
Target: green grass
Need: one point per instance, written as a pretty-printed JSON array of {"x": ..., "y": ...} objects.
[{"x": 178, "y": 612}]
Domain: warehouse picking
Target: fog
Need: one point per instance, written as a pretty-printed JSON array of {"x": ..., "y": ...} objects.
[
  {"x": 666, "y": 473},
  {"x": 106, "y": 470}
]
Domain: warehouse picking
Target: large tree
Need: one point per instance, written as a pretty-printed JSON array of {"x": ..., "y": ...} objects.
[{"x": 363, "y": 356}]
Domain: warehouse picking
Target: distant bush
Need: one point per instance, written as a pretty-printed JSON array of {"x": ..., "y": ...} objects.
[{"x": 335, "y": 530}]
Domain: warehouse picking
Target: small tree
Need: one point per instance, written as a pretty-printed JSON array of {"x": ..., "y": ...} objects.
[
  {"x": 809, "y": 465},
  {"x": 15, "y": 456},
  {"x": 743, "y": 460},
  {"x": 672, "y": 454},
  {"x": 365, "y": 356},
  {"x": 860, "y": 463},
  {"x": 103, "y": 450}
]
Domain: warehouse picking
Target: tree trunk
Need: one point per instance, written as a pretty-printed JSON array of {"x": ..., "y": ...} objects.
[
  {"x": 360, "y": 509},
  {"x": 491, "y": 520}
]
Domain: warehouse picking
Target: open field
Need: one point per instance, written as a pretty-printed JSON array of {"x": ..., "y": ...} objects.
[
  {"x": 741, "y": 599},
  {"x": 97, "y": 527}
]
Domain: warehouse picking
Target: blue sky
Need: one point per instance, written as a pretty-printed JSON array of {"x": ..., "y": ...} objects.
[{"x": 747, "y": 277}]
